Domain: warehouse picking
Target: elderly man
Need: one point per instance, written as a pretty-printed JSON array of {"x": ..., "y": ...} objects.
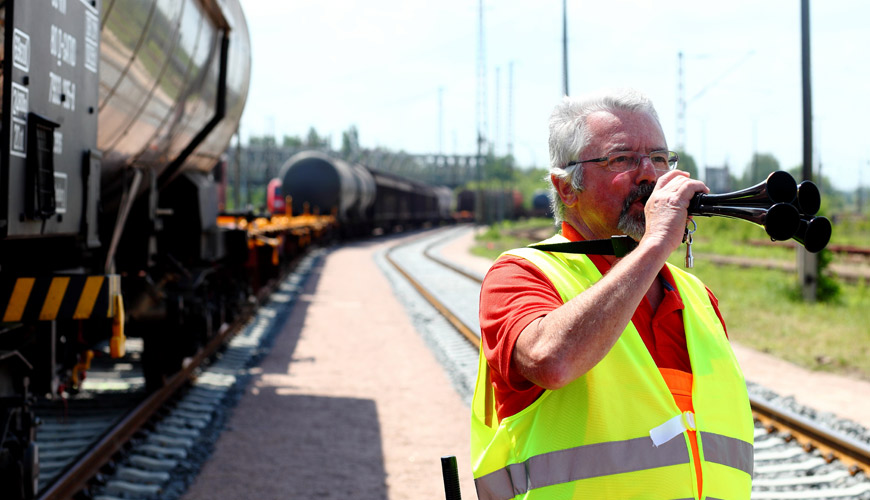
[{"x": 604, "y": 376}]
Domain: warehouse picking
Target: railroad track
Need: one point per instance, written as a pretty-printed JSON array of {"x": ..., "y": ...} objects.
[
  {"x": 796, "y": 455},
  {"x": 116, "y": 441}
]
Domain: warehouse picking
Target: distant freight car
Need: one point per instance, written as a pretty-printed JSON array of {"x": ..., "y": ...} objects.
[
  {"x": 541, "y": 204},
  {"x": 498, "y": 204},
  {"x": 363, "y": 199}
]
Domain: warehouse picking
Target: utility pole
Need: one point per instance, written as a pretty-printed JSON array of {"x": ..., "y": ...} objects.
[
  {"x": 481, "y": 113},
  {"x": 565, "y": 46},
  {"x": 807, "y": 262},
  {"x": 237, "y": 189},
  {"x": 681, "y": 105},
  {"x": 497, "y": 119},
  {"x": 440, "y": 121},
  {"x": 510, "y": 112}
]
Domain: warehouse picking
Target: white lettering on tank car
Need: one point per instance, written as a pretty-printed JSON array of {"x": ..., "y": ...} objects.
[
  {"x": 60, "y": 5},
  {"x": 63, "y": 46},
  {"x": 92, "y": 41},
  {"x": 17, "y": 141},
  {"x": 55, "y": 88},
  {"x": 58, "y": 142},
  {"x": 21, "y": 50},
  {"x": 61, "y": 92},
  {"x": 20, "y": 101},
  {"x": 69, "y": 92},
  {"x": 60, "y": 183}
]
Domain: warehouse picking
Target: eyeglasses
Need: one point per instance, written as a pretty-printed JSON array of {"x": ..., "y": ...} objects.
[{"x": 627, "y": 161}]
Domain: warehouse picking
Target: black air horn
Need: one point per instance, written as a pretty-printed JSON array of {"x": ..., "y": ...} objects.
[{"x": 784, "y": 208}]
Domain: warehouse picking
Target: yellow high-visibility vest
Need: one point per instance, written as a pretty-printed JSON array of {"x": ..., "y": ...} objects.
[{"x": 616, "y": 432}]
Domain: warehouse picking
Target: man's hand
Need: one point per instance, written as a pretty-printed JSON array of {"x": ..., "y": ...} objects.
[{"x": 666, "y": 211}]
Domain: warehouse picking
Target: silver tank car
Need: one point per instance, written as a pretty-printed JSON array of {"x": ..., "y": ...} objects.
[
  {"x": 159, "y": 80},
  {"x": 145, "y": 89},
  {"x": 114, "y": 113}
]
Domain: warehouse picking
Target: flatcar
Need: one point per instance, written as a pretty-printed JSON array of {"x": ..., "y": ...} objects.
[
  {"x": 363, "y": 199},
  {"x": 114, "y": 115}
]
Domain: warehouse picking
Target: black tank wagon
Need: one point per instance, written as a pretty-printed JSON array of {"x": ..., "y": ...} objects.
[{"x": 364, "y": 199}]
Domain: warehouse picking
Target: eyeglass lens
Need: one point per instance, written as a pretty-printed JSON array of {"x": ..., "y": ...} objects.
[{"x": 629, "y": 160}]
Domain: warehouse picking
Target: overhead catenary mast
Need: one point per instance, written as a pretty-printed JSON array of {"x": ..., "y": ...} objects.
[
  {"x": 481, "y": 111},
  {"x": 510, "y": 111},
  {"x": 681, "y": 104},
  {"x": 496, "y": 143},
  {"x": 565, "y": 46}
]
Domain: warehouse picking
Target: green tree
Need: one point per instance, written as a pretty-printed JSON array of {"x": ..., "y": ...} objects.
[
  {"x": 291, "y": 142},
  {"x": 265, "y": 140},
  {"x": 761, "y": 165},
  {"x": 313, "y": 140},
  {"x": 687, "y": 164},
  {"x": 350, "y": 142},
  {"x": 499, "y": 169}
]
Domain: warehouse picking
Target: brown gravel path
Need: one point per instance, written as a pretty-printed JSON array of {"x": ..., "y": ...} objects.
[
  {"x": 844, "y": 396},
  {"x": 350, "y": 403}
]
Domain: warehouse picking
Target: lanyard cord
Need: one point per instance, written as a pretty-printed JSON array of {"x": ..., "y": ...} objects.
[{"x": 618, "y": 246}]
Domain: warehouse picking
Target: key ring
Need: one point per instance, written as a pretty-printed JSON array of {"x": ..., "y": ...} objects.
[{"x": 694, "y": 228}]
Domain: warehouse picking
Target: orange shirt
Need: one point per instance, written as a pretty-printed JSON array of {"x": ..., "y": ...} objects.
[{"x": 515, "y": 292}]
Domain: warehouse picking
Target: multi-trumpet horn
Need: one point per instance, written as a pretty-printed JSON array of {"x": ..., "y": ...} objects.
[{"x": 784, "y": 208}]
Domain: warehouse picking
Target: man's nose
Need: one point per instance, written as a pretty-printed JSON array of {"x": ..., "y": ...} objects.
[{"x": 646, "y": 171}]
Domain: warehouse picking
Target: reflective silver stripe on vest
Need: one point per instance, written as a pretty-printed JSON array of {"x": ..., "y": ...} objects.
[
  {"x": 728, "y": 451},
  {"x": 582, "y": 462}
]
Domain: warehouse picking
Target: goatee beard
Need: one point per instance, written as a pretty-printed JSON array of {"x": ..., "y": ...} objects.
[{"x": 634, "y": 225}]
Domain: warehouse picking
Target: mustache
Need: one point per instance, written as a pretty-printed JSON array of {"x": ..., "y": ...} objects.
[{"x": 641, "y": 192}]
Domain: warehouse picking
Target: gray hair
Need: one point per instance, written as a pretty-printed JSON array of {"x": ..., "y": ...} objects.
[{"x": 569, "y": 134}]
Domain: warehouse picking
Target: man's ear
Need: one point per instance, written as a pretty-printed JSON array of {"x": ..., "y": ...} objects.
[{"x": 565, "y": 190}]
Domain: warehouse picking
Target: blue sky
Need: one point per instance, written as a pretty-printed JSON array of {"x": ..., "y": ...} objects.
[{"x": 381, "y": 65}]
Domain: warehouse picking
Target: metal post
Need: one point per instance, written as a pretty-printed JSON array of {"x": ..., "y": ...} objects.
[
  {"x": 237, "y": 189},
  {"x": 451, "y": 478},
  {"x": 807, "y": 262},
  {"x": 565, "y": 45}
]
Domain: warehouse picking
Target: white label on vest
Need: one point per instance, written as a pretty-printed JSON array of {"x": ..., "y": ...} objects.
[{"x": 672, "y": 428}]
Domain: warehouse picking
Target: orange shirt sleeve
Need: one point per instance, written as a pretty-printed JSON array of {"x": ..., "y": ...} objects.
[{"x": 513, "y": 294}]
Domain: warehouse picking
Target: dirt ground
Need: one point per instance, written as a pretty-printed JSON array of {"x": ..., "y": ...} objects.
[
  {"x": 350, "y": 403},
  {"x": 844, "y": 396}
]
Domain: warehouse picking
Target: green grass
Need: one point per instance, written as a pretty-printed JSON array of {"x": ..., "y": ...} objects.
[
  {"x": 761, "y": 312},
  {"x": 759, "y": 305}
]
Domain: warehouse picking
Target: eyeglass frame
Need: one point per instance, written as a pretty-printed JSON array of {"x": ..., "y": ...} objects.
[{"x": 640, "y": 158}]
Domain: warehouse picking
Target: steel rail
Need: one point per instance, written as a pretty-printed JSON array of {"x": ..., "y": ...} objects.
[
  {"x": 445, "y": 311},
  {"x": 854, "y": 454},
  {"x": 81, "y": 472},
  {"x": 833, "y": 445}
]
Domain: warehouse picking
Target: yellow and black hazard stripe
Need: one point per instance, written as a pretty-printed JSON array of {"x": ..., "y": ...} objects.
[{"x": 59, "y": 297}]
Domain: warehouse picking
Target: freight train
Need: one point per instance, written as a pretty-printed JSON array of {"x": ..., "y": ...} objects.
[
  {"x": 115, "y": 119},
  {"x": 114, "y": 114},
  {"x": 363, "y": 199}
]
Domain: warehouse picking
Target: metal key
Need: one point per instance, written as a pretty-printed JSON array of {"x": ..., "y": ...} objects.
[{"x": 687, "y": 237}]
